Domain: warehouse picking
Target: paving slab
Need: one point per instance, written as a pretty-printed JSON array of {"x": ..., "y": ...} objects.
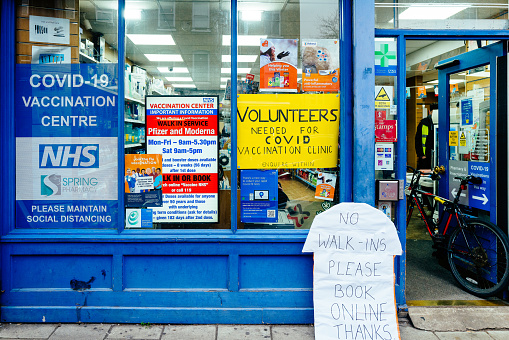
[
  {"x": 26, "y": 331},
  {"x": 243, "y": 332},
  {"x": 135, "y": 332},
  {"x": 411, "y": 333},
  {"x": 463, "y": 335},
  {"x": 499, "y": 335},
  {"x": 81, "y": 331},
  {"x": 293, "y": 332},
  {"x": 189, "y": 332},
  {"x": 459, "y": 318}
]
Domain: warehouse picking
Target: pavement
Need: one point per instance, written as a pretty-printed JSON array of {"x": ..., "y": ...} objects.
[{"x": 428, "y": 322}]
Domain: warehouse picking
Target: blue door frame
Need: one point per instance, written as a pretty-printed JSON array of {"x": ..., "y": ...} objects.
[
  {"x": 402, "y": 35},
  {"x": 479, "y": 57}
]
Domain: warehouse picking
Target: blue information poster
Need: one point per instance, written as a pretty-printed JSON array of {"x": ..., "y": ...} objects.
[
  {"x": 66, "y": 146},
  {"x": 479, "y": 195},
  {"x": 258, "y": 196},
  {"x": 467, "y": 112}
]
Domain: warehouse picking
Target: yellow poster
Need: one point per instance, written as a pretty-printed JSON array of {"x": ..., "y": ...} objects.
[
  {"x": 287, "y": 131},
  {"x": 453, "y": 138},
  {"x": 463, "y": 139}
]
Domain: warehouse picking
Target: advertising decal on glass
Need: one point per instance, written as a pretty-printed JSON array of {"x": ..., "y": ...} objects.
[{"x": 66, "y": 146}]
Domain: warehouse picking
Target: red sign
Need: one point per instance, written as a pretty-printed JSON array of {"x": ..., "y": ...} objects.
[
  {"x": 250, "y": 76},
  {"x": 380, "y": 115},
  {"x": 386, "y": 131}
]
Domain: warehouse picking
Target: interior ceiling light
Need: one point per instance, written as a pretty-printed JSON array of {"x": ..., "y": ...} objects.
[
  {"x": 132, "y": 13},
  {"x": 244, "y": 40},
  {"x": 428, "y": 11},
  {"x": 151, "y": 39},
  {"x": 251, "y": 15},
  {"x": 184, "y": 85},
  {"x": 451, "y": 81},
  {"x": 164, "y": 57},
  {"x": 240, "y": 58},
  {"x": 239, "y": 70},
  {"x": 169, "y": 69},
  {"x": 170, "y": 79}
]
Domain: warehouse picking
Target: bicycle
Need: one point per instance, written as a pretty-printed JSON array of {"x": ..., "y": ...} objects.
[{"x": 477, "y": 251}]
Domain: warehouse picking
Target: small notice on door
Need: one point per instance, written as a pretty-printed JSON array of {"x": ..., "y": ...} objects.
[
  {"x": 383, "y": 97},
  {"x": 453, "y": 138}
]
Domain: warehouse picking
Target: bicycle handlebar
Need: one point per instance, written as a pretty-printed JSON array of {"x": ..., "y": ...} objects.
[{"x": 470, "y": 180}]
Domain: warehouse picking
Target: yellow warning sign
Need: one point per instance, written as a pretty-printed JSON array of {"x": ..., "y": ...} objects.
[
  {"x": 463, "y": 139},
  {"x": 453, "y": 138},
  {"x": 382, "y": 99}
]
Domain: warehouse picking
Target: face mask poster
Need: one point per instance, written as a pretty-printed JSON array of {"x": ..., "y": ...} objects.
[{"x": 66, "y": 146}]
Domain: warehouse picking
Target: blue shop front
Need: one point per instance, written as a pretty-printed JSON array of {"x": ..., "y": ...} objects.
[{"x": 164, "y": 160}]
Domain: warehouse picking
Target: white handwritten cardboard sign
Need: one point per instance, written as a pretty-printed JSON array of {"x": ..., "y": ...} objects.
[{"x": 354, "y": 246}]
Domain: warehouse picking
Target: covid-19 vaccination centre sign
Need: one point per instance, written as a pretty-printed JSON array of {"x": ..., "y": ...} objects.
[{"x": 66, "y": 146}]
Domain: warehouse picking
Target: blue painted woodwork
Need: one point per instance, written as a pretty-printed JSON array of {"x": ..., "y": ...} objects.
[
  {"x": 363, "y": 102},
  {"x": 121, "y": 108},
  {"x": 401, "y": 152},
  {"x": 346, "y": 101},
  {"x": 194, "y": 276}
]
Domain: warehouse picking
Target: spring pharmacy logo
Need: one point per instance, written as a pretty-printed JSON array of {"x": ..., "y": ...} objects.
[
  {"x": 132, "y": 220},
  {"x": 51, "y": 185}
]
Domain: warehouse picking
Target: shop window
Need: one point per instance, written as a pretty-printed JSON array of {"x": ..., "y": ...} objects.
[
  {"x": 177, "y": 115},
  {"x": 287, "y": 113},
  {"x": 178, "y": 170},
  {"x": 442, "y": 14}
]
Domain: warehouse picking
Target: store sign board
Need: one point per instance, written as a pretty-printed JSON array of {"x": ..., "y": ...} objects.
[
  {"x": 287, "y": 131},
  {"x": 320, "y": 65},
  {"x": 49, "y": 30},
  {"x": 184, "y": 130},
  {"x": 66, "y": 146},
  {"x": 385, "y": 58},
  {"x": 354, "y": 246},
  {"x": 258, "y": 196},
  {"x": 278, "y": 65}
]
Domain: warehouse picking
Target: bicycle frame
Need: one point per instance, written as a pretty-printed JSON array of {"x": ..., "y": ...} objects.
[{"x": 452, "y": 208}]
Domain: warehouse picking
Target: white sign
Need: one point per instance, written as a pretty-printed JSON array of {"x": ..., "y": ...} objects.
[
  {"x": 51, "y": 55},
  {"x": 384, "y": 156},
  {"x": 47, "y": 168},
  {"x": 144, "y": 183},
  {"x": 353, "y": 285},
  {"x": 49, "y": 30}
]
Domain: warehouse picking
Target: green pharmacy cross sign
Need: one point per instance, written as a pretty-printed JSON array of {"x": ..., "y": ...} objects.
[{"x": 384, "y": 53}]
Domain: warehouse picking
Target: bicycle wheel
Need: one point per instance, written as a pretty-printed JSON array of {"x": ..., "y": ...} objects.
[{"x": 478, "y": 256}]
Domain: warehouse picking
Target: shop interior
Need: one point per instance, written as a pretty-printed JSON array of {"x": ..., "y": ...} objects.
[
  {"x": 191, "y": 56},
  {"x": 428, "y": 280}
]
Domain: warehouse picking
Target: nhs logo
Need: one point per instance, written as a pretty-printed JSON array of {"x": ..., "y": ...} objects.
[
  {"x": 67, "y": 156},
  {"x": 208, "y": 100}
]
